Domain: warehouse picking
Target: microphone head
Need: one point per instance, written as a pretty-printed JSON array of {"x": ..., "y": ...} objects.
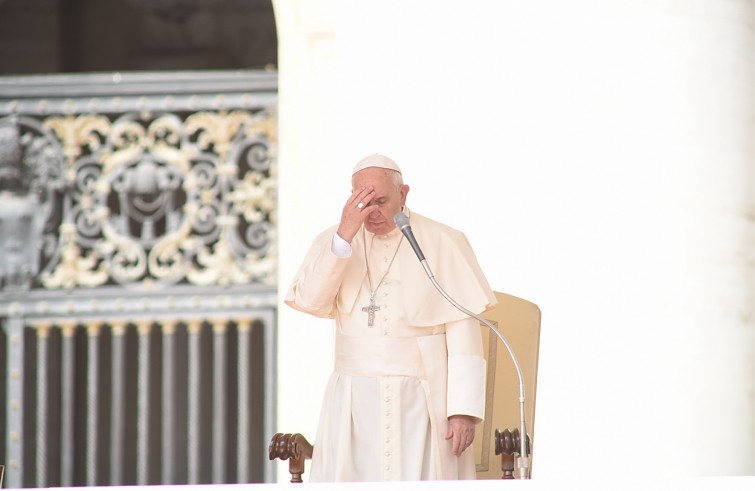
[{"x": 401, "y": 220}]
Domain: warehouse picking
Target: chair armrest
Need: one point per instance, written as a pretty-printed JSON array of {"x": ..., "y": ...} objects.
[{"x": 294, "y": 448}]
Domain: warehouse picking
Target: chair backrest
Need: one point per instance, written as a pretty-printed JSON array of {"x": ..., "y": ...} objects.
[{"x": 518, "y": 320}]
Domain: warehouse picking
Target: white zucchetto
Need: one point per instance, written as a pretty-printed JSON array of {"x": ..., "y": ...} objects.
[{"x": 376, "y": 160}]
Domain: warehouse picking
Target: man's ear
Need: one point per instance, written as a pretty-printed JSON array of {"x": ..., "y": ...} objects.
[{"x": 404, "y": 192}]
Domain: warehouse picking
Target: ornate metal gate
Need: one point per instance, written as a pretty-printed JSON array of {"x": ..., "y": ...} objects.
[{"x": 137, "y": 277}]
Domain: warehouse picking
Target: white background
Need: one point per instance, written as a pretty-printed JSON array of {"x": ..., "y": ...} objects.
[{"x": 599, "y": 156}]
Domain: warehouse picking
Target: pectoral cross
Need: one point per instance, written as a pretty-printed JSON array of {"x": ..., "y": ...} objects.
[{"x": 370, "y": 309}]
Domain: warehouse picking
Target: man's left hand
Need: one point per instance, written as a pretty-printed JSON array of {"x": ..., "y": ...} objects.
[{"x": 461, "y": 432}]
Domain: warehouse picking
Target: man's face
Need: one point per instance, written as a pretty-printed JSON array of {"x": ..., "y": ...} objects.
[{"x": 389, "y": 197}]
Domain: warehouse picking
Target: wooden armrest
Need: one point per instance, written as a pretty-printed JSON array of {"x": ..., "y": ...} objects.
[
  {"x": 507, "y": 445},
  {"x": 294, "y": 448}
]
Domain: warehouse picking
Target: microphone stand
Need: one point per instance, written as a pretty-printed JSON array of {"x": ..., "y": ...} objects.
[{"x": 523, "y": 461}]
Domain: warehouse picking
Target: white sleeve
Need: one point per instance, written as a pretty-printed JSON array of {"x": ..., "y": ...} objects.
[
  {"x": 340, "y": 247},
  {"x": 466, "y": 369},
  {"x": 316, "y": 284}
]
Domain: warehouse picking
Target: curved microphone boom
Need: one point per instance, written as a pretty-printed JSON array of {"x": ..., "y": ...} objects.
[{"x": 402, "y": 222}]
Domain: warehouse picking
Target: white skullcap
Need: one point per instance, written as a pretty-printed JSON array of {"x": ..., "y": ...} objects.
[{"x": 376, "y": 160}]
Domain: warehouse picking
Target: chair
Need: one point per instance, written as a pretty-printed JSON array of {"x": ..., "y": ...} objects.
[{"x": 518, "y": 320}]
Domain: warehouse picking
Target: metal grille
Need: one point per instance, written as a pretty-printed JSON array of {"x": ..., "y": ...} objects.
[
  {"x": 137, "y": 277},
  {"x": 148, "y": 398},
  {"x": 145, "y": 398}
]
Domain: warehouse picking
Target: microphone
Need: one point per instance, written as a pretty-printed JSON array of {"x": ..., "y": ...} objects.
[
  {"x": 402, "y": 222},
  {"x": 523, "y": 462}
]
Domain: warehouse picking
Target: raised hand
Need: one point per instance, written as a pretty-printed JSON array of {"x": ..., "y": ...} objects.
[{"x": 355, "y": 212}]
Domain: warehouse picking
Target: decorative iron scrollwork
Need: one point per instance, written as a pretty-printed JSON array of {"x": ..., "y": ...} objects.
[
  {"x": 31, "y": 179},
  {"x": 139, "y": 200}
]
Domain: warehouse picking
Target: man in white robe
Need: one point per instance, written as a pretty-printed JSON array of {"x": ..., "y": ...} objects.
[{"x": 408, "y": 385}]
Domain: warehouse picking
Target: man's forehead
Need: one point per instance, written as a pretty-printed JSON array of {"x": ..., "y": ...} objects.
[{"x": 377, "y": 177}]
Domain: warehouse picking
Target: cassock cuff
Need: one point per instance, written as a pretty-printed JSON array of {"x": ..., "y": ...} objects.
[
  {"x": 466, "y": 386},
  {"x": 340, "y": 247}
]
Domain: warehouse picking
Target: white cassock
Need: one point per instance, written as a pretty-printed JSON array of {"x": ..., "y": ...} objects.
[{"x": 394, "y": 384}]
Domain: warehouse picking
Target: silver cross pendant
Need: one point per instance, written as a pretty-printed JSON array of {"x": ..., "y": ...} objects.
[{"x": 371, "y": 309}]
